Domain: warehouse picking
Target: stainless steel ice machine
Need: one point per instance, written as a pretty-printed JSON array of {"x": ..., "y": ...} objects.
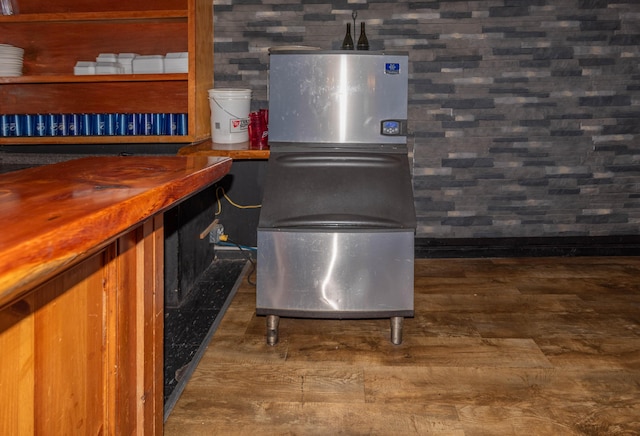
[{"x": 336, "y": 229}]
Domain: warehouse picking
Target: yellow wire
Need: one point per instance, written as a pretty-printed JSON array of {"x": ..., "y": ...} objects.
[{"x": 224, "y": 194}]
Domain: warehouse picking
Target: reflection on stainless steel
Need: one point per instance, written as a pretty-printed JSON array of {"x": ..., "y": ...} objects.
[
  {"x": 326, "y": 283},
  {"x": 343, "y": 100}
]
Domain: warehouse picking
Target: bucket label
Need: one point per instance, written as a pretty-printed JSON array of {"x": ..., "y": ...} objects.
[{"x": 238, "y": 125}]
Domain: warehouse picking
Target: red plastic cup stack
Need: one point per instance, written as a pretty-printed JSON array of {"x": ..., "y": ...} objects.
[{"x": 258, "y": 130}]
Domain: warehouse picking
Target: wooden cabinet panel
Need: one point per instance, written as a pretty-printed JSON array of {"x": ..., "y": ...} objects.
[
  {"x": 52, "y": 342},
  {"x": 16, "y": 372},
  {"x": 61, "y": 6},
  {"x": 68, "y": 363},
  {"x": 52, "y": 48},
  {"x": 80, "y": 352},
  {"x": 107, "y": 97}
]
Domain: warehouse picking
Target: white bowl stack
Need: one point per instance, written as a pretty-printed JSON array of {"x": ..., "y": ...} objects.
[
  {"x": 176, "y": 62},
  {"x": 11, "y": 59},
  {"x": 148, "y": 64}
]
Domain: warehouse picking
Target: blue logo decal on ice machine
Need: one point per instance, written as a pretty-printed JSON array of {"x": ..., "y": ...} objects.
[{"x": 392, "y": 68}]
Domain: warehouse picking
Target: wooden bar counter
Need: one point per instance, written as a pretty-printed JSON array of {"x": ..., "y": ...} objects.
[{"x": 81, "y": 291}]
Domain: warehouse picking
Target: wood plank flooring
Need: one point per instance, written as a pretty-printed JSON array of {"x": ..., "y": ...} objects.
[{"x": 535, "y": 346}]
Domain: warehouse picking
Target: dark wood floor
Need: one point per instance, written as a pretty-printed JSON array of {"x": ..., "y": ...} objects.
[{"x": 535, "y": 346}]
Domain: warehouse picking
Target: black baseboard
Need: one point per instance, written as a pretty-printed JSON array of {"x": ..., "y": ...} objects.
[{"x": 624, "y": 245}]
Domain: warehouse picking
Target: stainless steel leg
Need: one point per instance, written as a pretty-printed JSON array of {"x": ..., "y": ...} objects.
[
  {"x": 396, "y": 329},
  {"x": 272, "y": 329}
]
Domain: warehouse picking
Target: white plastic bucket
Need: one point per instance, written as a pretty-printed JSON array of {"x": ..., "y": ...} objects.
[{"x": 230, "y": 115}]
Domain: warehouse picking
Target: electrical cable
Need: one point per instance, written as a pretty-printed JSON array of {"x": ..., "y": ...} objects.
[
  {"x": 224, "y": 239},
  {"x": 233, "y": 244},
  {"x": 244, "y": 250},
  {"x": 231, "y": 202}
]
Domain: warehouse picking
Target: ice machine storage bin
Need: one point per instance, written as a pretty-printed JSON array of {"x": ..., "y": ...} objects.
[{"x": 336, "y": 237}]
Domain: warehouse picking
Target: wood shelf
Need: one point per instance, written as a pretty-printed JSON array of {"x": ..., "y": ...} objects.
[
  {"x": 239, "y": 151},
  {"x": 94, "y": 16},
  {"x": 95, "y": 78},
  {"x": 103, "y": 139},
  {"x": 57, "y": 34}
]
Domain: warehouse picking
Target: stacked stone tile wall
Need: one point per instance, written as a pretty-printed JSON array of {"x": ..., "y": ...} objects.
[{"x": 524, "y": 115}]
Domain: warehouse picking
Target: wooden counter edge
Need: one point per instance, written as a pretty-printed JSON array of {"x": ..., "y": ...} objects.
[
  {"x": 16, "y": 282},
  {"x": 208, "y": 148}
]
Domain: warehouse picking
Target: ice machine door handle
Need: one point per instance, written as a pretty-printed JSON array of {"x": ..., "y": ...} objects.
[{"x": 393, "y": 127}]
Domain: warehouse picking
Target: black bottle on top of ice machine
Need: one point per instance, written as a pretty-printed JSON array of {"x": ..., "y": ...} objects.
[
  {"x": 347, "y": 42},
  {"x": 363, "y": 42}
]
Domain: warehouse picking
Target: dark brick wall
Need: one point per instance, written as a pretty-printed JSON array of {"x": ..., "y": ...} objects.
[{"x": 524, "y": 114}]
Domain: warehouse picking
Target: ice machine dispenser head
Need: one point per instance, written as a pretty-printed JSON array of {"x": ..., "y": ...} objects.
[{"x": 337, "y": 97}]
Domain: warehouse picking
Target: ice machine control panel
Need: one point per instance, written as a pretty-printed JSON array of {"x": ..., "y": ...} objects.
[
  {"x": 392, "y": 68},
  {"x": 393, "y": 127}
]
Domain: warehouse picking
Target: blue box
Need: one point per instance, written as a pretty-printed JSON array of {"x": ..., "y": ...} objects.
[
  {"x": 41, "y": 127},
  {"x": 157, "y": 124},
  {"x": 5, "y": 125},
  {"x": 86, "y": 124},
  {"x": 132, "y": 124},
  {"x": 121, "y": 124},
  {"x": 74, "y": 127},
  {"x": 25, "y": 125},
  {"x": 63, "y": 125},
  {"x": 53, "y": 121},
  {"x": 183, "y": 125},
  {"x": 145, "y": 126}
]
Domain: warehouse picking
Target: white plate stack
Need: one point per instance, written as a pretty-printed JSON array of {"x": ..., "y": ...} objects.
[{"x": 11, "y": 60}]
